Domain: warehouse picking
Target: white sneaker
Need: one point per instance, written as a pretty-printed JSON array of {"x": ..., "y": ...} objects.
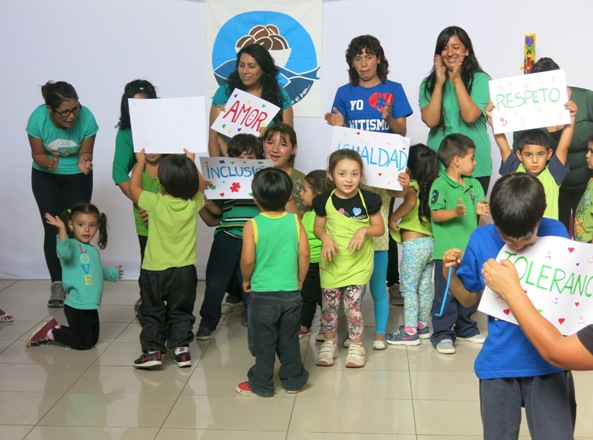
[
  {"x": 327, "y": 353},
  {"x": 356, "y": 356},
  {"x": 320, "y": 337},
  {"x": 379, "y": 345},
  {"x": 346, "y": 342},
  {"x": 227, "y": 307},
  {"x": 476, "y": 339},
  {"x": 446, "y": 347}
]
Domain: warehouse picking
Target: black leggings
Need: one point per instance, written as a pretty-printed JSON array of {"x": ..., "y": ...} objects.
[
  {"x": 82, "y": 332},
  {"x": 54, "y": 193}
]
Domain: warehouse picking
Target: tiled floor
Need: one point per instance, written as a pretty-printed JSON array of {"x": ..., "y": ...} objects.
[{"x": 56, "y": 393}]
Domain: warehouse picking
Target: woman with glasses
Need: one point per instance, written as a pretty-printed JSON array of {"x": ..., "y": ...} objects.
[{"x": 62, "y": 136}]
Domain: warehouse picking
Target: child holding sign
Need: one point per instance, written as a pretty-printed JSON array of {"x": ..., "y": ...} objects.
[
  {"x": 574, "y": 351},
  {"x": 456, "y": 200},
  {"x": 168, "y": 279},
  {"x": 534, "y": 156},
  {"x": 225, "y": 254},
  {"x": 347, "y": 219},
  {"x": 512, "y": 373}
]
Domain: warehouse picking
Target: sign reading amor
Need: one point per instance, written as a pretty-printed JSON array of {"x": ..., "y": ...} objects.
[
  {"x": 169, "y": 125},
  {"x": 529, "y": 101},
  {"x": 244, "y": 113},
  {"x": 384, "y": 155},
  {"x": 230, "y": 178},
  {"x": 557, "y": 275}
]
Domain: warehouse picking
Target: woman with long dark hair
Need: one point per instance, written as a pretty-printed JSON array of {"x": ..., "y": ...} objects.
[
  {"x": 62, "y": 137},
  {"x": 257, "y": 74},
  {"x": 454, "y": 96}
]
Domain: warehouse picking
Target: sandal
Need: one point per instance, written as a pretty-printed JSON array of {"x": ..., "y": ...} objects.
[{"x": 5, "y": 317}]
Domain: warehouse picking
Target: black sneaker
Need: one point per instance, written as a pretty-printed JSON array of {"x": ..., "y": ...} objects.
[
  {"x": 203, "y": 334},
  {"x": 149, "y": 360},
  {"x": 183, "y": 359}
]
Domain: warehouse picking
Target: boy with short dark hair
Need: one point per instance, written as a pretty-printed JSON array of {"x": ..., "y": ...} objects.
[
  {"x": 274, "y": 263},
  {"x": 512, "y": 373},
  {"x": 534, "y": 156},
  {"x": 456, "y": 200},
  {"x": 168, "y": 277}
]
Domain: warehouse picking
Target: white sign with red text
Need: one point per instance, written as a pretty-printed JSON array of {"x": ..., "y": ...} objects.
[{"x": 244, "y": 113}]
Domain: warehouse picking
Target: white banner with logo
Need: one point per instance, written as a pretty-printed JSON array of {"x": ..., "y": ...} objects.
[{"x": 290, "y": 30}]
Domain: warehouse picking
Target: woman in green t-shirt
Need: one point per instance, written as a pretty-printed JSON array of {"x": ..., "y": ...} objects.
[{"x": 454, "y": 96}]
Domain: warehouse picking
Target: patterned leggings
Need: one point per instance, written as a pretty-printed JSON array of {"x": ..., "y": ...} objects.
[
  {"x": 416, "y": 275},
  {"x": 330, "y": 299}
]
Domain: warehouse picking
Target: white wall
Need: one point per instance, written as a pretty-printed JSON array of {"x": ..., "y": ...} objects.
[{"x": 100, "y": 45}]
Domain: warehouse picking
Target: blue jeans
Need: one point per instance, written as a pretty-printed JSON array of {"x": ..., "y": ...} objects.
[
  {"x": 454, "y": 314},
  {"x": 549, "y": 402},
  {"x": 223, "y": 265},
  {"x": 274, "y": 324}
]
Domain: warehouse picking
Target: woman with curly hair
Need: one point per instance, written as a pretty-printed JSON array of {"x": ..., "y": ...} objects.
[
  {"x": 256, "y": 73},
  {"x": 371, "y": 102},
  {"x": 454, "y": 96}
]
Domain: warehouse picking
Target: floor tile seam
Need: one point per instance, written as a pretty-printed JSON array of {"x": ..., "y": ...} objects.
[
  {"x": 294, "y": 401},
  {"x": 66, "y": 391},
  {"x": 7, "y": 347},
  {"x": 11, "y": 284},
  {"x": 411, "y": 392}
]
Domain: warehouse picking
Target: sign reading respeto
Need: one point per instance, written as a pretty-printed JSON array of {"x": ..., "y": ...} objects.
[{"x": 529, "y": 101}]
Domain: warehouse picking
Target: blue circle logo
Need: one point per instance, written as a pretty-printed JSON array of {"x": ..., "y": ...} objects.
[{"x": 287, "y": 41}]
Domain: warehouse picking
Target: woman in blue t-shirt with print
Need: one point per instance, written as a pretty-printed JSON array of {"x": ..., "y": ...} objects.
[{"x": 371, "y": 102}]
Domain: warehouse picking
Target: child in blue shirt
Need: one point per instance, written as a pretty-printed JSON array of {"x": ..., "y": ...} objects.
[{"x": 512, "y": 373}]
